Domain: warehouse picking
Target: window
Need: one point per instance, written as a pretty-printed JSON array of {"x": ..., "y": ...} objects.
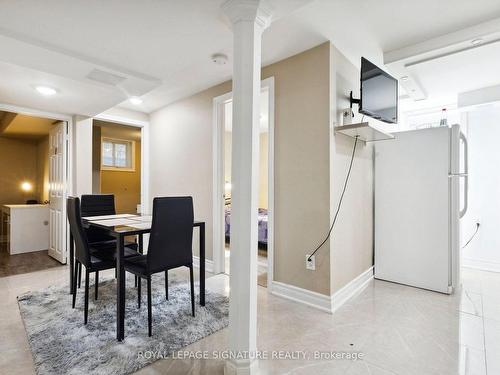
[{"x": 117, "y": 154}]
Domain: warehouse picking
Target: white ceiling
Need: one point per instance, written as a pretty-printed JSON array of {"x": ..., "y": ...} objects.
[
  {"x": 439, "y": 69},
  {"x": 399, "y": 23},
  {"x": 163, "y": 48},
  {"x": 464, "y": 71}
]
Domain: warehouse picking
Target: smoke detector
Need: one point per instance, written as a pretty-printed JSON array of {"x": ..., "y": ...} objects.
[{"x": 219, "y": 59}]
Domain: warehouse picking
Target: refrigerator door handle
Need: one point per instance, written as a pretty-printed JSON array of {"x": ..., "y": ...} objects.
[
  {"x": 466, "y": 153},
  {"x": 465, "y": 175}
]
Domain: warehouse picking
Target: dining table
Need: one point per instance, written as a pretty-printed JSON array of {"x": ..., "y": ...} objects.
[{"x": 126, "y": 225}]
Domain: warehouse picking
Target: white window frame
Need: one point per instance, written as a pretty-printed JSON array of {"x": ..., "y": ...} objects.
[{"x": 130, "y": 143}]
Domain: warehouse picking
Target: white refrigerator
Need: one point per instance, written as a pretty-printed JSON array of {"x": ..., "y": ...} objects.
[{"x": 421, "y": 188}]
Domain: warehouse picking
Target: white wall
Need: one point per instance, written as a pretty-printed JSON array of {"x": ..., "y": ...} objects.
[
  {"x": 483, "y": 133},
  {"x": 82, "y": 155}
]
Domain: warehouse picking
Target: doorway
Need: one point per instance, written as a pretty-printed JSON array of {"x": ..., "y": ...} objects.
[
  {"x": 222, "y": 183},
  {"x": 33, "y": 173},
  {"x": 117, "y": 164}
]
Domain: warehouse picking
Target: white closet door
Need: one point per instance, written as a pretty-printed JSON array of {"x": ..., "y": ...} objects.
[{"x": 57, "y": 180}]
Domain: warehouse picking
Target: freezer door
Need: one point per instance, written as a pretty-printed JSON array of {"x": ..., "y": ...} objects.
[{"x": 412, "y": 209}]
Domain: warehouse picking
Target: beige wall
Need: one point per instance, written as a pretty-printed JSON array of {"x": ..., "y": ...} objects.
[
  {"x": 263, "y": 170},
  {"x": 43, "y": 169},
  {"x": 18, "y": 163},
  {"x": 310, "y": 166},
  {"x": 125, "y": 185},
  {"x": 352, "y": 239},
  {"x": 301, "y": 167},
  {"x": 181, "y": 161}
]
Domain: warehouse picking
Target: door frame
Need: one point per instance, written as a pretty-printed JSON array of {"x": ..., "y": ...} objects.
[
  {"x": 218, "y": 182},
  {"x": 144, "y": 126},
  {"x": 68, "y": 183}
]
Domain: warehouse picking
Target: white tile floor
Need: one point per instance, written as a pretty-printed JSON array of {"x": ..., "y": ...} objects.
[
  {"x": 400, "y": 330},
  {"x": 261, "y": 266}
]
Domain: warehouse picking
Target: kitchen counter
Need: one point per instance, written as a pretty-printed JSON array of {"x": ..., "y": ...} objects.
[{"x": 25, "y": 227}]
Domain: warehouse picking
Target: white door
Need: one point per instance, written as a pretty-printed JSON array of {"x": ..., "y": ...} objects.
[
  {"x": 57, "y": 189},
  {"x": 412, "y": 209}
]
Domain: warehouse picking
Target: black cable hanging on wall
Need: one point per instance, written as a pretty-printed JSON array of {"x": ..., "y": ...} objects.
[
  {"x": 472, "y": 237},
  {"x": 340, "y": 201}
]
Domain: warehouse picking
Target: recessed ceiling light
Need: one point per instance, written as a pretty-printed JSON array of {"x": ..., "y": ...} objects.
[
  {"x": 45, "y": 90},
  {"x": 135, "y": 100},
  {"x": 404, "y": 78},
  {"x": 477, "y": 42}
]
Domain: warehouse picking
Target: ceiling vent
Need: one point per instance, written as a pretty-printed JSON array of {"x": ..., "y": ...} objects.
[{"x": 105, "y": 77}]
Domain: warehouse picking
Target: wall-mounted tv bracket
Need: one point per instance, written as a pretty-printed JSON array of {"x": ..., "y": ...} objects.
[{"x": 353, "y": 101}]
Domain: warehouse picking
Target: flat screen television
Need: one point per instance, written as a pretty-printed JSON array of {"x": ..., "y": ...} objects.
[{"x": 379, "y": 93}]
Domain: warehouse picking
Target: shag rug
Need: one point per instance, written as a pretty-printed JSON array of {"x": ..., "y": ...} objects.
[{"x": 62, "y": 344}]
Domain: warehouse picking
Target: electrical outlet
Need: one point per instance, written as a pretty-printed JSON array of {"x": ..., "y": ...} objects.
[{"x": 311, "y": 264}]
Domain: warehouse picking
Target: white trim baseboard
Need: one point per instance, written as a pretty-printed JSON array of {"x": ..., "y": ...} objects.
[
  {"x": 307, "y": 297},
  {"x": 352, "y": 289},
  {"x": 209, "y": 264},
  {"x": 321, "y": 301},
  {"x": 481, "y": 264}
]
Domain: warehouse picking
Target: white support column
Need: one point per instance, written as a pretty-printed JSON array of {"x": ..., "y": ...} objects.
[{"x": 249, "y": 19}]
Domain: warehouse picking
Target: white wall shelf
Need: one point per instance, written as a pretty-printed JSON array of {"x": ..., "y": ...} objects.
[{"x": 364, "y": 131}]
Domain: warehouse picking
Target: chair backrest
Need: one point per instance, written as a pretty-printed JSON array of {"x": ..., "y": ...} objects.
[
  {"x": 82, "y": 252},
  {"x": 98, "y": 205},
  {"x": 171, "y": 238},
  {"x": 31, "y": 201}
]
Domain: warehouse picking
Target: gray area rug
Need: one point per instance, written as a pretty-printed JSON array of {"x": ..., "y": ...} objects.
[{"x": 62, "y": 344}]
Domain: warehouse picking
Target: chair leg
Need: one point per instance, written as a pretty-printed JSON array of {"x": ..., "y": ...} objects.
[
  {"x": 138, "y": 292},
  {"x": 76, "y": 273},
  {"x": 86, "y": 313},
  {"x": 79, "y": 275},
  {"x": 96, "y": 284},
  {"x": 192, "y": 287},
  {"x": 75, "y": 276},
  {"x": 74, "y": 284},
  {"x": 135, "y": 281},
  {"x": 150, "y": 318},
  {"x": 166, "y": 284}
]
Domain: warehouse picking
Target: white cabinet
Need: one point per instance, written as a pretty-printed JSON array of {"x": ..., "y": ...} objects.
[{"x": 25, "y": 227}]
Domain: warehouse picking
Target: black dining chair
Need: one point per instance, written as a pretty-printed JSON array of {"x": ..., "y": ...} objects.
[
  {"x": 100, "y": 205},
  {"x": 170, "y": 246},
  {"x": 93, "y": 259}
]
